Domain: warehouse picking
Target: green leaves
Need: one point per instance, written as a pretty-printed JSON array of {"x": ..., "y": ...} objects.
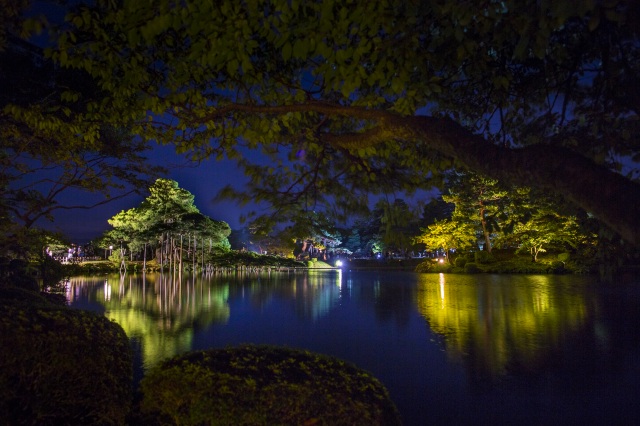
[
  {"x": 168, "y": 210},
  {"x": 287, "y": 49},
  {"x": 215, "y": 74}
]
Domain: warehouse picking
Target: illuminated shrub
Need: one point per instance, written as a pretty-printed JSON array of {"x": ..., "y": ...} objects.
[
  {"x": 61, "y": 366},
  {"x": 262, "y": 385}
]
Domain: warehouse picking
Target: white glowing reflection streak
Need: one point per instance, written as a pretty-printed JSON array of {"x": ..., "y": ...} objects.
[
  {"x": 107, "y": 291},
  {"x": 442, "y": 288}
]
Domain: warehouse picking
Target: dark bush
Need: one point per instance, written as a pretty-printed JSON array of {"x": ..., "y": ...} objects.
[
  {"x": 52, "y": 272},
  {"x": 17, "y": 273},
  {"x": 424, "y": 266},
  {"x": 262, "y": 385},
  {"x": 483, "y": 257},
  {"x": 59, "y": 365},
  {"x": 25, "y": 281},
  {"x": 557, "y": 267},
  {"x": 471, "y": 268},
  {"x": 18, "y": 295},
  {"x": 460, "y": 262}
]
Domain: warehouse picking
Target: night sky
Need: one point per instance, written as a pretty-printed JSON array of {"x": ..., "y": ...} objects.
[{"x": 203, "y": 181}]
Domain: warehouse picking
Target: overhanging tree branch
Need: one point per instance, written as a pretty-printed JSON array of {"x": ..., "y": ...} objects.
[{"x": 548, "y": 166}]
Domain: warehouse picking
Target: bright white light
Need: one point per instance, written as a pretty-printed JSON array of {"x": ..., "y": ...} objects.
[
  {"x": 338, "y": 263},
  {"x": 441, "y": 260}
]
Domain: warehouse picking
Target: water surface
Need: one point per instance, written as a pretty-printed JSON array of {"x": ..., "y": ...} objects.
[{"x": 451, "y": 349}]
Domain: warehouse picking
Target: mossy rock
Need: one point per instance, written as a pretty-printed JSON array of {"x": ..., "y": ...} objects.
[
  {"x": 262, "y": 385},
  {"x": 60, "y": 366}
]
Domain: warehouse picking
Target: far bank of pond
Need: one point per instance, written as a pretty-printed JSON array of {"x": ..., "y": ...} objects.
[
  {"x": 500, "y": 262},
  {"x": 451, "y": 348}
]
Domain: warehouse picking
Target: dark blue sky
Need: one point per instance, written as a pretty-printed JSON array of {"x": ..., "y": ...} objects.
[{"x": 203, "y": 181}]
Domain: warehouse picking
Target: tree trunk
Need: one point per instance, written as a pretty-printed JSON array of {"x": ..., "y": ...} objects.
[
  {"x": 180, "y": 268},
  {"x": 485, "y": 231},
  {"x": 170, "y": 253},
  {"x": 123, "y": 263}
]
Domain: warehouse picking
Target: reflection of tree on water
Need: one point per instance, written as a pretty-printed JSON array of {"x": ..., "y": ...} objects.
[
  {"x": 492, "y": 327},
  {"x": 388, "y": 295},
  {"x": 317, "y": 293},
  {"x": 157, "y": 309},
  {"x": 313, "y": 293},
  {"x": 161, "y": 313}
]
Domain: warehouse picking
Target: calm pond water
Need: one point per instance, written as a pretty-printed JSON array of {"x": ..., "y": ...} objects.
[{"x": 451, "y": 349}]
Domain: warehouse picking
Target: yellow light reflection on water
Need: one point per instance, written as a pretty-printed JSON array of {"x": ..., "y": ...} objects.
[
  {"x": 157, "y": 310},
  {"x": 160, "y": 310},
  {"x": 488, "y": 324}
]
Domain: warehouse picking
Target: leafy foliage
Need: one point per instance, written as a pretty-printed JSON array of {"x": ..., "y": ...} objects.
[
  {"x": 544, "y": 228},
  {"x": 508, "y": 216},
  {"x": 251, "y": 259},
  {"x": 168, "y": 220},
  {"x": 478, "y": 201},
  {"x": 49, "y": 149},
  {"x": 61, "y": 366},
  {"x": 447, "y": 235},
  {"x": 328, "y": 91},
  {"x": 398, "y": 225},
  {"x": 263, "y": 385}
]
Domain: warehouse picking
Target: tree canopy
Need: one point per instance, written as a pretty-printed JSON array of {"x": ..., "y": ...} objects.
[
  {"x": 47, "y": 147},
  {"x": 352, "y": 97},
  {"x": 508, "y": 217},
  {"x": 168, "y": 222},
  {"x": 477, "y": 200},
  {"x": 448, "y": 235}
]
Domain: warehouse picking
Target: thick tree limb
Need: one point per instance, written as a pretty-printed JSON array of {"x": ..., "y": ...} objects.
[{"x": 610, "y": 197}]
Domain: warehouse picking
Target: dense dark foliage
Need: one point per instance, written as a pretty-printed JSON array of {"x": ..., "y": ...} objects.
[
  {"x": 263, "y": 385},
  {"x": 60, "y": 366}
]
